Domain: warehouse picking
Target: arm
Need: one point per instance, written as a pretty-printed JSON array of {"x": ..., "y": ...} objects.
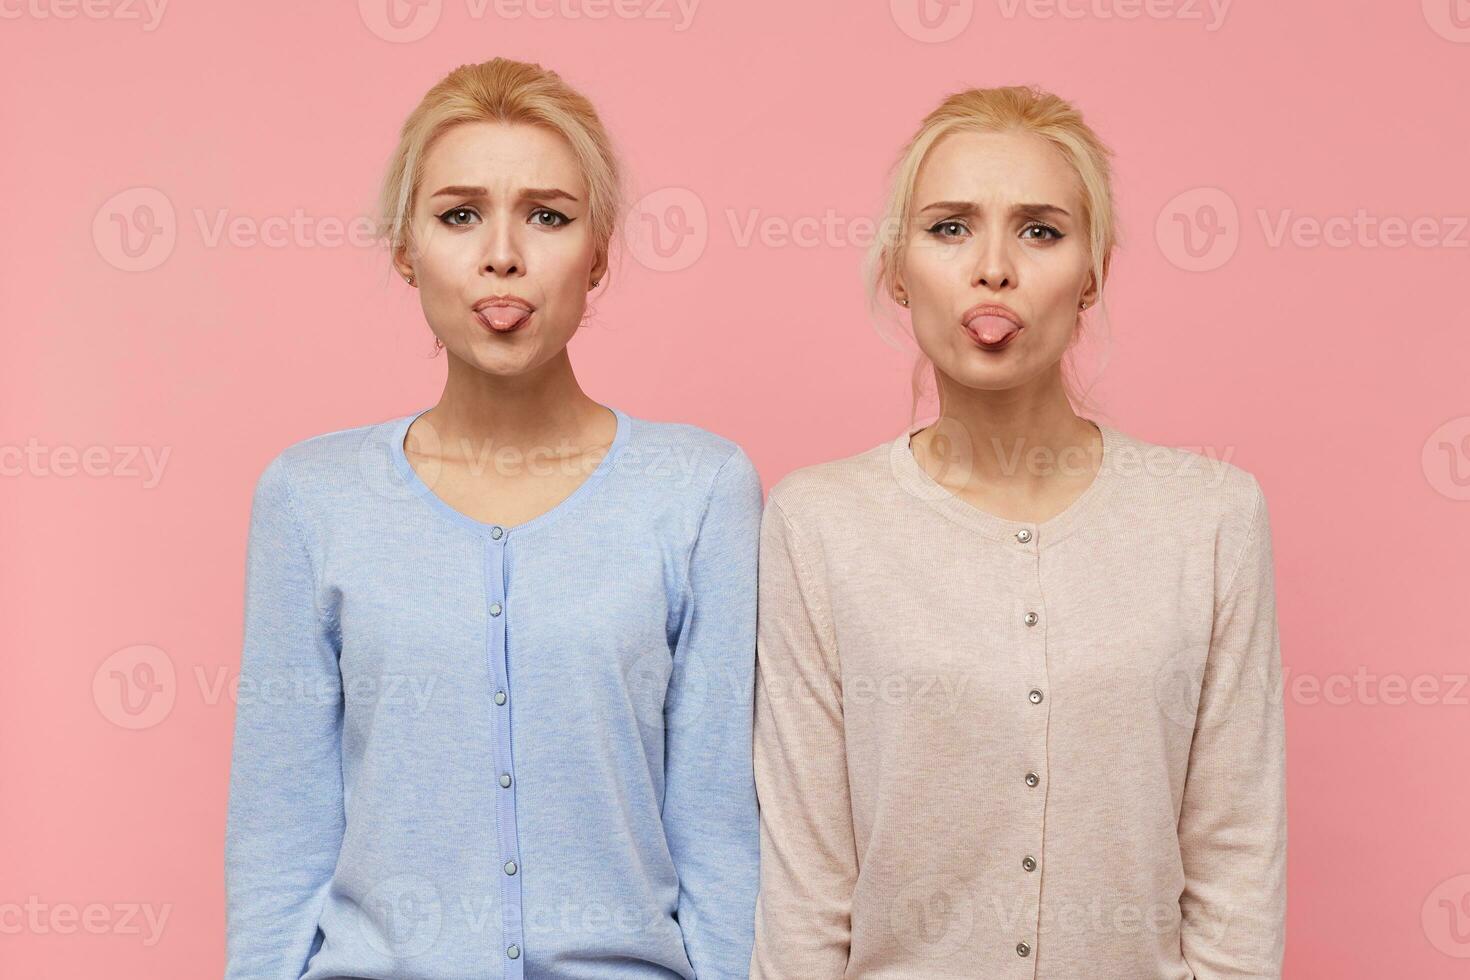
[
  {"x": 709, "y": 815},
  {"x": 808, "y": 855},
  {"x": 1232, "y": 825},
  {"x": 285, "y": 819}
]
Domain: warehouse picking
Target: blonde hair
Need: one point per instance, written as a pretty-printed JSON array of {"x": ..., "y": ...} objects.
[
  {"x": 502, "y": 90},
  {"x": 995, "y": 110}
]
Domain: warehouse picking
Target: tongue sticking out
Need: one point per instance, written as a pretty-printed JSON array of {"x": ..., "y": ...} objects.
[
  {"x": 993, "y": 329},
  {"x": 504, "y": 317}
]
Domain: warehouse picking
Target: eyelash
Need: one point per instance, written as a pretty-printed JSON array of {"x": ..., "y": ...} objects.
[
  {"x": 561, "y": 222},
  {"x": 1055, "y": 235}
]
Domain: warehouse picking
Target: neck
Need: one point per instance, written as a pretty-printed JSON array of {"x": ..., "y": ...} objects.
[
  {"x": 545, "y": 407},
  {"x": 1020, "y": 438}
]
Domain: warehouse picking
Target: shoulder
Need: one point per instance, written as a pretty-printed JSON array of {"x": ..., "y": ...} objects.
[
  {"x": 312, "y": 471},
  {"x": 845, "y": 486},
  {"x": 1186, "y": 479},
  {"x": 1197, "y": 490},
  {"x": 697, "y": 458}
]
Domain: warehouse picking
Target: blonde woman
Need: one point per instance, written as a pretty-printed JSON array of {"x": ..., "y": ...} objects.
[
  {"x": 498, "y": 666},
  {"x": 1017, "y": 670}
]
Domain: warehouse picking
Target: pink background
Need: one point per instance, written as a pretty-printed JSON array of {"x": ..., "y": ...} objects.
[{"x": 1332, "y": 365}]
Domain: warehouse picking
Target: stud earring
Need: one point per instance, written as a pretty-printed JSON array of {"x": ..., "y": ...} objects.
[
  {"x": 595, "y": 282},
  {"x": 903, "y": 301},
  {"x": 408, "y": 279}
]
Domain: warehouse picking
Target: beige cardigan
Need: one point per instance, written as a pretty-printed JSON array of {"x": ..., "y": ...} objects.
[{"x": 997, "y": 749}]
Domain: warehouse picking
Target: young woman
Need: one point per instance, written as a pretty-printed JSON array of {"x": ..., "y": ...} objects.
[
  {"x": 1017, "y": 703},
  {"x": 498, "y": 667}
]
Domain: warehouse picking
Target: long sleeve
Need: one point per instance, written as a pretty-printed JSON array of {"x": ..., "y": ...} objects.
[
  {"x": 1232, "y": 826},
  {"x": 710, "y": 816},
  {"x": 285, "y": 818},
  {"x": 808, "y": 855}
]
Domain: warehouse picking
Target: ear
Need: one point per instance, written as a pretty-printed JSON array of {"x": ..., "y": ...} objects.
[
  {"x": 1090, "y": 293},
  {"x": 401, "y": 263}
]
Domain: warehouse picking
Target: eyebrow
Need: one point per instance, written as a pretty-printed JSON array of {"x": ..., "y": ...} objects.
[
  {"x": 970, "y": 207},
  {"x": 529, "y": 193}
]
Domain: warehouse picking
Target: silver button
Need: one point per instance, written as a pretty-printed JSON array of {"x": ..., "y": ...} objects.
[
  {"x": 497, "y": 533},
  {"x": 1035, "y": 696},
  {"x": 499, "y": 697},
  {"x": 1029, "y": 863},
  {"x": 505, "y": 779},
  {"x": 1023, "y": 949},
  {"x": 510, "y": 867},
  {"x": 513, "y": 951},
  {"x": 1031, "y": 779},
  {"x": 1023, "y": 535},
  {"x": 495, "y": 609},
  {"x": 1032, "y": 619}
]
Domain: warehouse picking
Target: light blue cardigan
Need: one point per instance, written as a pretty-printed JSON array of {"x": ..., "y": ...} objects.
[{"x": 465, "y": 750}]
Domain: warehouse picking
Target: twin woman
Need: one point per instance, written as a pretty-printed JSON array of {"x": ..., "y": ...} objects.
[{"x": 534, "y": 688}]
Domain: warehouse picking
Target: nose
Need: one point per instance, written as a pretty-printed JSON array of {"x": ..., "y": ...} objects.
[
  {"x": 503, "y": 254},
  {"x": 994, "y": 267}
]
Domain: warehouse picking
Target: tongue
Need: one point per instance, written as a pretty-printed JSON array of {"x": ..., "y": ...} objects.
[
  {"x": 993, "y": 329},
  {"x": 504, "y": 317}
]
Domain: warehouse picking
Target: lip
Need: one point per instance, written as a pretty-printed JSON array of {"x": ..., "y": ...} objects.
[
  {"x": 504, "y": 301},
  {"x": 991, "y": 309}
]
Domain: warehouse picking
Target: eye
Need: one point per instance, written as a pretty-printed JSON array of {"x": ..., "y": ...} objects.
[
  {"x": 447, "y": 216},
  {"x": 1051, "y": 233},
  {"x": 949, "y": 228},
  {"x": 548, "y": 218}
]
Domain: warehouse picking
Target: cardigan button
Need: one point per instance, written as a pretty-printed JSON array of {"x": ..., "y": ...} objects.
[
  {"x": 1023, "y": 949},
  {"x": 1035, "y": 696},
  {"x": 495, "y": 609},
  {"x": 1023, "y": 535},
  {"x": 1032, "y": 619},
  {"x": 497, "y": 532},
  {"x": 513, "y": 951},
  {"x": 505, "y": 780},
  {"x": 1029, "y": 863},
  {"x": 499, "y": 697},
  {"x": 510, "y": 867},
  {"x": 1031, "y": 778}
]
